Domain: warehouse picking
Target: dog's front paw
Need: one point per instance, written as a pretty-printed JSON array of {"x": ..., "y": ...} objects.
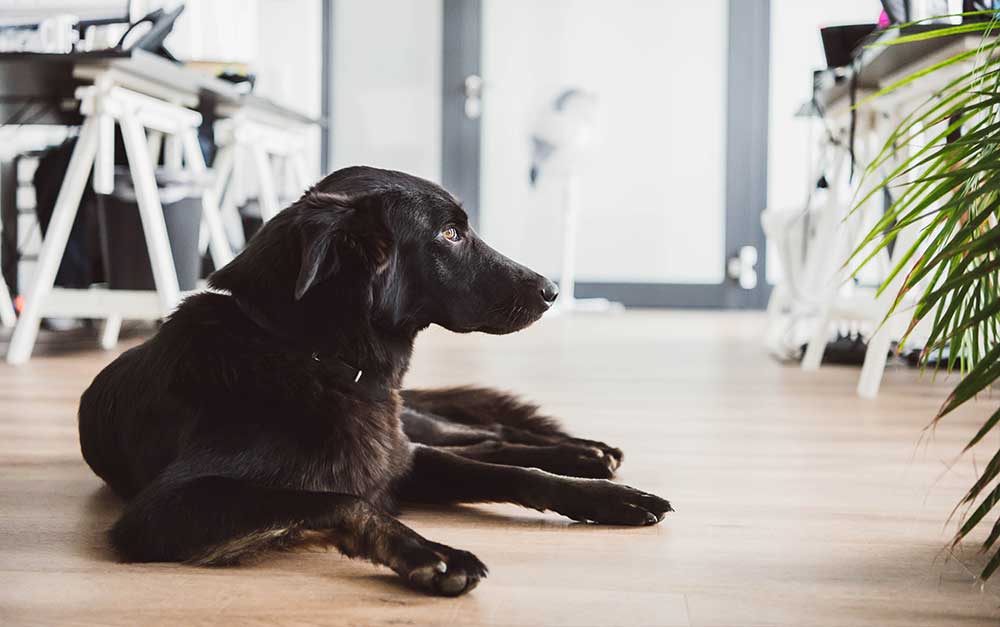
[
  {"x": 607, "y": 503},
  {"x": 438, "y": 569}
]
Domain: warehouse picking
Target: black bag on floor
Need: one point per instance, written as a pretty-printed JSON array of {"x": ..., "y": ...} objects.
[{"x": 81, "y": 262}]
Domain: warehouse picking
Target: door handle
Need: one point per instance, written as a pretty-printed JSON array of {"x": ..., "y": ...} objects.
[
  {"x": 473, "y": 89},
  {"x": 743, "y": 267}
]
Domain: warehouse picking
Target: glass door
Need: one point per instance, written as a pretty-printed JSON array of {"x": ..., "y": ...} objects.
[{"x": 670, "y": 174}]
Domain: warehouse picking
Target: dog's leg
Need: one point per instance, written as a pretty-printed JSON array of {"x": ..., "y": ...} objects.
[
  {"x": 512, "y": 419},
  {"x": 438, "y": 476},
  {"x": 219, "y": 520},
  {"x": 432, "y": 430},
  {"x": 561, "y": 459},
  {"x": 495, "y": 446}
]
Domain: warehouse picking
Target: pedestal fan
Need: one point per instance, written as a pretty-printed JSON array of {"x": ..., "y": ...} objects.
[{"x": 561, "y": 142}]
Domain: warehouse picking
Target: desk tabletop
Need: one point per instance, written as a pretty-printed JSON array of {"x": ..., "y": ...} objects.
[
  {"x": 879, "y": 63},
  {"x": 44, "y": 84}
]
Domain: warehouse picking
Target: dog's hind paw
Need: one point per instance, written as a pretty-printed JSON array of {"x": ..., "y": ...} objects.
[
  {"x": 614, "y": 456},
  {"x": 575, "y": 460},
  {"x": 438, "y": 569}
]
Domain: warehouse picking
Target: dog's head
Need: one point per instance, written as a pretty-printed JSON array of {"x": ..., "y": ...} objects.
[{"x": 396, "y": 244}]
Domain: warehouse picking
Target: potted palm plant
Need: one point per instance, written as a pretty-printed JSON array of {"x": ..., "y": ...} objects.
[{"x": 950, "y": 187}]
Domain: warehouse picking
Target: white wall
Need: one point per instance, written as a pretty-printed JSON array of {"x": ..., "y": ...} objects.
[
  {"x": 796, "y": 50},
  {"x": 386, "y": 70},
  {"x": 216, "y": 30},
  {"x": 387, "y": 85},
  {"x": 654, "y": 190},
  {"x": 280, "y": 40},
  {"x": 289, "y": 59}
]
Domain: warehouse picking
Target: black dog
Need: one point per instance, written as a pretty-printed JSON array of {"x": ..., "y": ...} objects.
[{"x": 273, "y": 415}]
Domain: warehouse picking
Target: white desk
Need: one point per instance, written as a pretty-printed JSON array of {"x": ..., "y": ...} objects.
[
  {"x": 816, "y": 287},
  {"x": 151, "y": 100}
]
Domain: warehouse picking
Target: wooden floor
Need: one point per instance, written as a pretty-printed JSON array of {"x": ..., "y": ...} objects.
[{"x": 797, "y": 503}]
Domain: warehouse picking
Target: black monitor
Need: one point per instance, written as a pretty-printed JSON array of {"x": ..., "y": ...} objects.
[
  {"x": 162, "y": 23},
  {"x": 842, "y": 43}
]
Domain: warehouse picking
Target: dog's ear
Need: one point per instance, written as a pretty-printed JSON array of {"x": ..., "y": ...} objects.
[
  {"x": 317, "y": 261},
  {"x": 335, "y": 233}
]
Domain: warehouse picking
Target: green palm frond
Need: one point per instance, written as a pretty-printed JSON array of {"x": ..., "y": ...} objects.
[{"x": 950, "y": 191}]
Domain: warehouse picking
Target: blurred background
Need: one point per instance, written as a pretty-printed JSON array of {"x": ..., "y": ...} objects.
[
  {"x": 675, "y": 119},
  {"x": 651, "y": 156}
]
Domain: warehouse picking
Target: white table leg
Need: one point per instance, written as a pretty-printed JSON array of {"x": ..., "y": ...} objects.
[
  {"x": 63, "y": 214},
  {"x": 109, "y": 334},
  {"x": 148, "y": 199},
  {"x": 221, "y": 254},
  {"x": 267, "y": 197}
]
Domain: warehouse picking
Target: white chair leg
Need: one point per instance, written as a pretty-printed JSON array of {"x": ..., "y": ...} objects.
[
  {"x": 821, "y": 272},
  {"x": 148, "y": 199},
  {"x": 267, "y": 196},
  {"x": 68, "y": 202},
  {"x": 876, "y": 356},
  {"x": 221, "y": 254},
  {"x": 775, "y": 312},
  {"x": 109, "y": 334},
  {"x": 817, "y": 343}
]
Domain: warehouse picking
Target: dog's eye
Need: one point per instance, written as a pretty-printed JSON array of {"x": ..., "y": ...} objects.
[{"x": 451, "y": 234}]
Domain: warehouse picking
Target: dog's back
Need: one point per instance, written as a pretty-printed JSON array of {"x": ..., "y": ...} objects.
[
  {"x": 130, "y": 424},
  {"x": 106, "y": 410}
]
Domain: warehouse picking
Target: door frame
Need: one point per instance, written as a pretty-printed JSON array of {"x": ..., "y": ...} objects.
[
  {"x": 461, "y": 56},
  {"x": 748, "y": 86}
]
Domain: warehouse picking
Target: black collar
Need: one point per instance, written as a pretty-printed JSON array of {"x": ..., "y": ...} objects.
[{"x": 355, "y": 377}]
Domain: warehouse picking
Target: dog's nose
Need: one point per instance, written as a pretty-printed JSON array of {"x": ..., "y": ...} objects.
[{"x": 550, "y": 291}]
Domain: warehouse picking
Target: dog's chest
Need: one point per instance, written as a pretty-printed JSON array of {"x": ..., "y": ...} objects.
[{"x": 362, "y": 449}]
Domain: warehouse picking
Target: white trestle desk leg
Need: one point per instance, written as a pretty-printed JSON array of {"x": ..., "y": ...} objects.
[
  {"x": 153, "y": 225},
  {"x": 221, "y": 254},
  {"x": 172, "y": 151},
  {"x": 103, "y": 181},
  {"x": 54, "y": 243},
  {"x": 155, "y": 140},
  {"x": 109, "y": 334},
  {"x": 267, "y": 197},
  {"x": 225, "y": 193},
  {"x": 104, "y": 161}
]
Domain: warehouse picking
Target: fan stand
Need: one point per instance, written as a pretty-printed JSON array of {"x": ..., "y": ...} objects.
[{"x": 567, "y": 279}]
